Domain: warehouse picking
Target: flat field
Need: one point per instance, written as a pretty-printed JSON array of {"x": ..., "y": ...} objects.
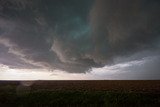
[{"x": 80, "y": 93}]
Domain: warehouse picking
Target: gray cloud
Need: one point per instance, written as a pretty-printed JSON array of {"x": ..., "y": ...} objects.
[
  {"x": 146, "y": 68},
  {"x": 76, "y": 35},
  {"x": 124, "y": 27}
]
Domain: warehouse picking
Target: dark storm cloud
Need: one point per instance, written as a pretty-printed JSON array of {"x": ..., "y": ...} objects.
[
  {"x": 124, "y": 27},
  {"x": 75, "y": 35},
  {"x": 50, "y": 34}
]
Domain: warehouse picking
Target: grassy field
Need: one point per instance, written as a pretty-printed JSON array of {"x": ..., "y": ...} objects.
[{"x": 79, "y": 93}]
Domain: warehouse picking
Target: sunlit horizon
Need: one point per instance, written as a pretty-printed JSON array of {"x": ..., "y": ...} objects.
[{"x": 119, "y": 71}]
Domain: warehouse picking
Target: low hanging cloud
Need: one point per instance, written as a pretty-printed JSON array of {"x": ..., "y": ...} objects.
[
  {"x": 74, "y": 35},
  {"x": 146, "y": 68}
]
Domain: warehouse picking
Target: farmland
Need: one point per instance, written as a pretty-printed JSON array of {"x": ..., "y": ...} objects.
[{"x": 85, "y": 93}]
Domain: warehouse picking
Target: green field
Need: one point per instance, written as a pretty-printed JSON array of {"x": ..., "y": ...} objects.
[{"x": 13, "y": 94}]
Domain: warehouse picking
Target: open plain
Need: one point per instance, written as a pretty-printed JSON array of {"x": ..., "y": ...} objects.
[{"x": 80, "y": 93}]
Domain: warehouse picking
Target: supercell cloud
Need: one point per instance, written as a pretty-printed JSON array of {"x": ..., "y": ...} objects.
[{"x": 78, "y": 35}]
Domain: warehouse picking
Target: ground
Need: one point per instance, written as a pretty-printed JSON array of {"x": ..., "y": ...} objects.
[{"x": 95, "y": 93}]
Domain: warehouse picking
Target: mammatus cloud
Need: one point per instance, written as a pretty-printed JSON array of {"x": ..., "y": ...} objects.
[{"x": 74, "y": 35}]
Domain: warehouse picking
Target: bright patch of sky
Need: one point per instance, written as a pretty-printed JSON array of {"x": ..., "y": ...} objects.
[{"x": 109, "y": 72}]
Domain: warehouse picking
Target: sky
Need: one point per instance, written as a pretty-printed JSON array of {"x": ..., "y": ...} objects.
[{"x": 79, "y": 39}]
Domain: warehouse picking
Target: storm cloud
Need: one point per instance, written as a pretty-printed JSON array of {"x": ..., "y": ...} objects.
[{"x": 76, "y": 35}]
